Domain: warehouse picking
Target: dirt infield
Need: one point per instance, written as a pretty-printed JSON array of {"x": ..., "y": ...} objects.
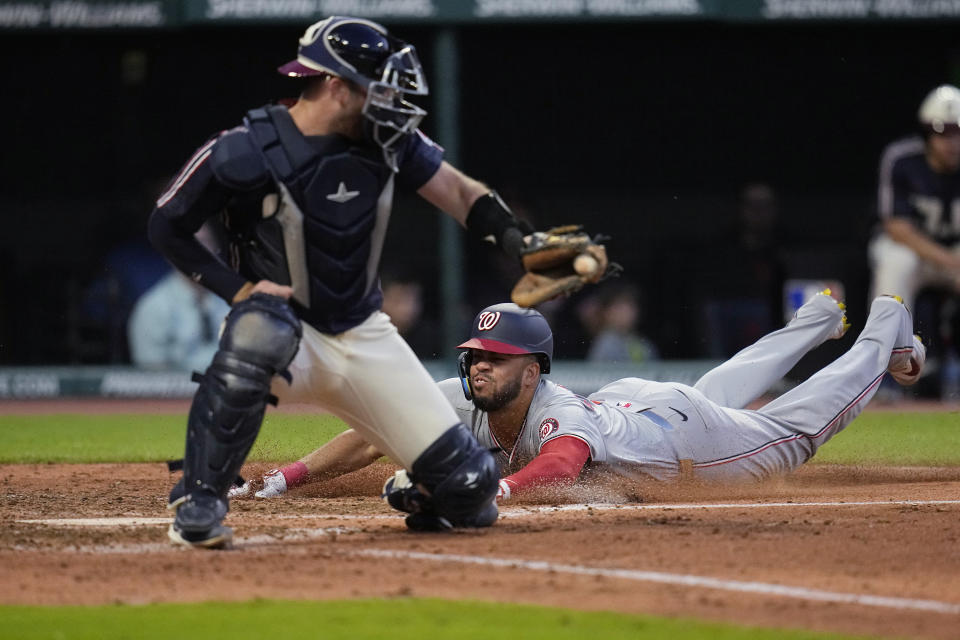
[
  {"x": 872, "y": 551},
  {"x": 857, "y": 550}
]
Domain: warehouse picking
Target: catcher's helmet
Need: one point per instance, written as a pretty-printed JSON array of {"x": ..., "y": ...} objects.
[
  {"x": 363, "y": 52},
  {"x": 940, "y": 110}
]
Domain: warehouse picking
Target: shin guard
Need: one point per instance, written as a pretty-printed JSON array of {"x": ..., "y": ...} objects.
[
  {"x": 260, "y": 338},
  {"x": 460, "y": 477}
]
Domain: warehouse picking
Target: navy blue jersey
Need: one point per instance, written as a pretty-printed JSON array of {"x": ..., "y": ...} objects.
[
  {"x": 909, "y": 188},
  {"x": 305, "y": 211}
]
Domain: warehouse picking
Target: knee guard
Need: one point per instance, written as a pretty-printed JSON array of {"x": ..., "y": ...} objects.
[
  {"x": 460, "y": 477},
  {"x": 260, "y": 339}
]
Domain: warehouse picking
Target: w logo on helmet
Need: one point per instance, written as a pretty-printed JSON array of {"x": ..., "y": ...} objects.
[{"x": 488, "y": 320}]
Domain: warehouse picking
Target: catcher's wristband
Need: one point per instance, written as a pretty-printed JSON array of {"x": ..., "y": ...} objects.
[{"x": 489, "y": 217}]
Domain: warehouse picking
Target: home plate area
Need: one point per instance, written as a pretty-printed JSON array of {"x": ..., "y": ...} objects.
[{"x": 852, "y": 550}]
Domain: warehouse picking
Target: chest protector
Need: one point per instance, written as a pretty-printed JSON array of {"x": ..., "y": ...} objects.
[{"x": 331, "y": 220}]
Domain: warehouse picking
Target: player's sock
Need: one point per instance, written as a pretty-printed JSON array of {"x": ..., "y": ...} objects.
[{"x": 295, "y": 473}]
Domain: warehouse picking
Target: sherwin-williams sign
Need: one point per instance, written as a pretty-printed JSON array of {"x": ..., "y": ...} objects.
[
  {"x": 93, "y": 14},
  {"x": 444, "y": 11},
  {"x": 87, "y": 15}
]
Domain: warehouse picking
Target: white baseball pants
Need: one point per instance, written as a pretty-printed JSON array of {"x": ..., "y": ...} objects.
[
  {"x": 898, "y": 270},
  {"x": 731, "y": 443},
  {"x": 370, "y": 378}
]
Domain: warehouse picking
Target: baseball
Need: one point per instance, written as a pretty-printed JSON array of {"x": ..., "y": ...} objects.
[{"x": 585, "y": 265}]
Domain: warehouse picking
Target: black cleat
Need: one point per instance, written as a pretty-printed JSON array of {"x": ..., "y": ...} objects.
[
  {"x": 485, "y": 517},
  {"x": 178, "y": 495},
  {"x": 218, "y": 537},
  {"x": 427, "y": 522},
  {"x": 199, "y": 522}
]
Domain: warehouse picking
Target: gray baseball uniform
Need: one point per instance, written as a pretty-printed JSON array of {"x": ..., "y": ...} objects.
[{"x": 642, "y": 428}]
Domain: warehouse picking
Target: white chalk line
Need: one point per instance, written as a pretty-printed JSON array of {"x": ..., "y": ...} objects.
[
  {"x": 516, "y": 512},
  {"x": 519, "y": 512},
  {"x": 253, "y": 543},
  {"x": 136, "y": 521},
  {"x": 688, "y": 580},
  {"x": 249, "y": 543}
]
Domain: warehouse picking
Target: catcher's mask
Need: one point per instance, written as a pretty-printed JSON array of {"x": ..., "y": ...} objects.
[
  {"x": 506, "y": 328},
  {"x": 386, "y": 68}
]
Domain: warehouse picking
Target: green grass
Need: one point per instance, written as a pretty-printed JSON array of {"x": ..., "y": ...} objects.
[
  {"x": 874, "y": 438},
  {"x": 412, "y": 619},
  {"x": 145, "y": 438},
  {"x": 910, "y": 439}
]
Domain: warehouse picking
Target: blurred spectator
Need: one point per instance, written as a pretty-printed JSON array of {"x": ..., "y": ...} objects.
[
  {"x": 576, "y": 322},
  {"x": 175, "y": 324},
  {"x": 916, "y": 244},
  {"x": 758, "y": 219},
  {"x": 101, "y": 301},
  {"x": 403, "y": 302},
  {"x": 617, "y": 339},
  {"x": 100, "y": 310},
  {"x": 744, "y": 288},
  {"x": 130, "y": 269},
  {"x": 759, "y": 243}
]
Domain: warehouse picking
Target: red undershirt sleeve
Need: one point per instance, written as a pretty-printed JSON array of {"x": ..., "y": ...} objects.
[{"x": 559, "y": 462}]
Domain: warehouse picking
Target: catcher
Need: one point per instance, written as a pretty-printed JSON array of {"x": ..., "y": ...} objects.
[
  {"x": 542, "y": 434},
  {"x": 305, "y": 192}
]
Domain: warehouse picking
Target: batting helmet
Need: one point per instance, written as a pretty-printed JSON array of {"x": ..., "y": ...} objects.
[
  {"x": 940, "y": 110},
  {"x": 364, "y": 53},
  {"x": 507, "y": 328}
]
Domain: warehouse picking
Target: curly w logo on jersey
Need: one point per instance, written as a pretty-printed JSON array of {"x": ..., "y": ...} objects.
[
  {"x": 547, "y": 427},
  {"x": 488, "y": 320}
]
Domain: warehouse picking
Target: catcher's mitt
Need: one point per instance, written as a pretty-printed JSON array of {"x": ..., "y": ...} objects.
[{"x": 559, "y": 262}]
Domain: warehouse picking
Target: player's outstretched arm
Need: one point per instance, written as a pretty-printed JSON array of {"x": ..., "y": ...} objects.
[
  {"x": 452, "y": 191},
  {"x": 559, "y": 463},
  {"x": 345, "y": 453},
  {"x": 475, "y": 206}
]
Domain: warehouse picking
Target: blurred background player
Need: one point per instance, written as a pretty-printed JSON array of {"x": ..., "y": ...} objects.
[
  {"x": 305, "y": 193},
  {"x": 916, "y": 245},
  {"x": 175, "y": 324},
  {"x": 543, "y": 434},
  {"x": 919, "y": 203}
]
